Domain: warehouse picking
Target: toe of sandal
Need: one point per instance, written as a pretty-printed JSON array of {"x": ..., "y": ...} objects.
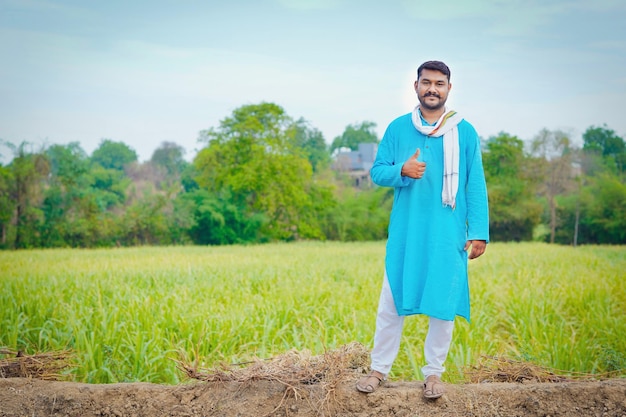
[
  {"x": 430, "y": 393},
  {"x": 367, "y": 386}
]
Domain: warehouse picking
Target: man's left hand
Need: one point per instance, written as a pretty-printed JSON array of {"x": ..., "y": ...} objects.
[{"x": 478, "y": 248}]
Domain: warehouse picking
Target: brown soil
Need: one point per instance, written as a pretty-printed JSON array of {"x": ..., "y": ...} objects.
[
  {"x": 33, "y": 397},
  {"x": 301, "y": 385}
]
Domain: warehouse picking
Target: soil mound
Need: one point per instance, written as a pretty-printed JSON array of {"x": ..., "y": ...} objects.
[
  {"x": 298, "y": 384},
  {"x": 32, "y": 397}
]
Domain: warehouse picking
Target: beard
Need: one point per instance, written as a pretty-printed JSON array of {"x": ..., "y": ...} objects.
[{"x": 430, "y": 106}]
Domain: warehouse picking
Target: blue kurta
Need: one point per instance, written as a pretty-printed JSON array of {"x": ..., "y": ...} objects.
[{"x": 425, "y": 262}]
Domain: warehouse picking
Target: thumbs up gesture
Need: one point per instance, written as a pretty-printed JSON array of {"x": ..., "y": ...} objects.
[{"x": 413, "y": 168}]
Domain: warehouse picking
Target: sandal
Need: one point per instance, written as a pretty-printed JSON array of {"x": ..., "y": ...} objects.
[
  {"x": 367, "y": 386},
  {"x": 431, "y": 393}
]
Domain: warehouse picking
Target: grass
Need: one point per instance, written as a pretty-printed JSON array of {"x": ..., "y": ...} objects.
[{"x": 127, "y": 313}]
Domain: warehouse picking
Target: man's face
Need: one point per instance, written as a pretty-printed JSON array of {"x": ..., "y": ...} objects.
[{"x": 432, "y": 89}]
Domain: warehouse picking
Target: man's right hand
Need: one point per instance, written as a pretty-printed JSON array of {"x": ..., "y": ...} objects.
[{"x": 413, "y": 168}]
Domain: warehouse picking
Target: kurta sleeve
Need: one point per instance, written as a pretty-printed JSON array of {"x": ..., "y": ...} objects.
[
  {"x": 386, "y": 170},
  {"x": 477, "y": 202}
]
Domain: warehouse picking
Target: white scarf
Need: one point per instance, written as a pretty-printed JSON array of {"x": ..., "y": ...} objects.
[{"x": 446, "y": 126}]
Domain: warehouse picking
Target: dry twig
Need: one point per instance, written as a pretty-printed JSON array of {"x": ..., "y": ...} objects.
[
  {"x": 498, "y": 369},
  {"x": 294, "y": 370},
  {"x": 47, "y": 366}
]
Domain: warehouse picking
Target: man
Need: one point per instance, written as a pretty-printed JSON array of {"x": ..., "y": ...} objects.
[{"x": 432, "y": 159}]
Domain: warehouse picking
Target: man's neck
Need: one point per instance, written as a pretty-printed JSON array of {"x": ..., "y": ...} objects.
[{"x": 431, "y": 116}]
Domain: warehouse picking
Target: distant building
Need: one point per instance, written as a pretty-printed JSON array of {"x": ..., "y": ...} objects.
[{"x": 357, "y": 164}]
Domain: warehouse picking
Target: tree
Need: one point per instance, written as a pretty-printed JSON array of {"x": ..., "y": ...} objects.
[
  {"x": 594, "y": 212},
  {"x": 68, "y": 163},
  {"x": 67, "y": 206},
  {"x": 255, "y": 158},
  {"x": 599, "y": 208},
  {"x": 149, "y": 206},
  {"x": 145, "y": 220},
  {"x": 354, "y": 134},
  {"x": 555, "y": 155},
  {"x": 114, "y": 155},
  {"x": 109, "y": 186},
  {"x": 513, "y": 211},
  {"x": 29, "y": 171},
  {"x": 604, "y": 218},
  {"x": 360, "y": 214},
  {"x": 169, "y": 158},
  {"x": 312, "y": 142},
  {"x": 605, "y": 143},
  {"x": 218, "y": 221},
  {"x": 7, "y": 204}
]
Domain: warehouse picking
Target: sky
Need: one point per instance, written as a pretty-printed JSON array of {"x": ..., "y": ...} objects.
[{"x": 144, "y": 72}]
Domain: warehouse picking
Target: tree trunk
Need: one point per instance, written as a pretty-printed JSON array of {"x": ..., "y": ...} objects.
[
  {"x": 552, "y": 218},
  {"x": 18, "y": 226},
  {"x": 576, "y": 223}
]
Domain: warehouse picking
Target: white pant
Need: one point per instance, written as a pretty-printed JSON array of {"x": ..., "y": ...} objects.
[{"x": 389, "y": 332}]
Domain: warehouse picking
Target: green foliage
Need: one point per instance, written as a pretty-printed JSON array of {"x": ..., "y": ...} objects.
[
  {"x": 109, "y": 186},
  {"x": 513, "y": 211},
  {"x": 113, "y": 155},
  {"x": 605, "y": 142},
  {"x": 312, "y": 142},
  {"x": 169, "y": 157},
  {"x": 316, "y": 219},
  {"x": 152, "y": 215},
  {"x": 255, "y": 158},
  {"x": 512, "y": 217},
  {"x": 217, "y": 220},
  {"x": 144, "y": 221},
  {"x": 601, "y": 207},
  {"x": 29, "y": 170},
  {"x": 7, "y": 204},
  {"x": 504, "y": 156},
  {"x": 354, "y": 135},
  {"x": 360, "y": 214},
  {"x": 67, "y": 202},
  {"x": 606, "y": 217},
  {"x": 262, "y": 176},
  {"x": 594, "y": 209},
  {"x": 68, "y": 163},
  {"x": 554, "y": 163}
]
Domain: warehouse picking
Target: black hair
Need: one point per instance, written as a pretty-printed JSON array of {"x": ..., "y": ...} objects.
[{"x": 435, "y": 66}]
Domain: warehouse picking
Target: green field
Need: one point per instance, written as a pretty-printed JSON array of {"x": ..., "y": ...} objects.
[{"x": 126, "y": 313}]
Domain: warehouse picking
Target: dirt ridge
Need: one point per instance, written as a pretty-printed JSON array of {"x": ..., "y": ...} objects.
[{"x": 32, "y": 397}]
